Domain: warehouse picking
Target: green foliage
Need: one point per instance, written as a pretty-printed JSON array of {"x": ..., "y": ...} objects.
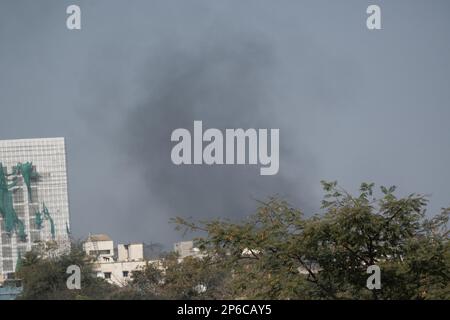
[
  {"x": 277, "y": 253},
  {"x": 186, "y": 279},
  {"x": 45, "y": 278}
]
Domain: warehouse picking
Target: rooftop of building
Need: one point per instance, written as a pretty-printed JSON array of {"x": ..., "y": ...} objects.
[
  {"x": 32, "y": 139},
  {"x": 98, "y": 237}
]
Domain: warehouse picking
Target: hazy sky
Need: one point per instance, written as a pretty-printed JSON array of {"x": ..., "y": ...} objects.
[{"x": 351, "y": 104}]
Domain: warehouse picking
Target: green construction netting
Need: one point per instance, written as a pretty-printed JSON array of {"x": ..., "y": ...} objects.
[
  {"x": 21, "y": 230},
  {"x": 9, "y": 215},
  {"x": 19, "y": 261},
  {"x": 38, "y": 219},
  {"x": 26, "y": 170},
  {"x": 44, "y": 215},
  {"x": 47, "y": 216}
]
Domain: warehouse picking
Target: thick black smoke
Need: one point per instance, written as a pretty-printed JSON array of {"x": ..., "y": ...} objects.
[{"x": 226, "y": 84}]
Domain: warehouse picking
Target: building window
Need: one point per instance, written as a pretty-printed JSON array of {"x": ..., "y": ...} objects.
[
  {"x": 34, "y": 172},
  {"x": 34, "y": 195},
  {"x": 107, "y": 275},
  {"x": 10, "y": 275},
  {"x": 18, "y": 196},
  {"x": 20, "y": 211},
  {"x": 33, "y": 208},
  {"x": 7, "y": 265},
  {"x": 6, "y": 238},
  {"x": 19, "y": 182},
  {"x": 99, "y": 252},
  {"x": 35, "y": 236},
  {"x": 21, "y": 250},
  {"x": 125, "y": 274},
  {"x": 7, "y": 252},
  {"x": 33, "y": 225}
]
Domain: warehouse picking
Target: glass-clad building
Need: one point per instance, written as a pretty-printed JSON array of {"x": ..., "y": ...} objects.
[{"x": 34, "y": 205}]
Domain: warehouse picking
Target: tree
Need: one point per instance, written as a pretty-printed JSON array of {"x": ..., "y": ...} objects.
[
  {"x": 44, "y": 277},
  {"x": 277, "y": 253},
  {"x": 191, "y": 278}
]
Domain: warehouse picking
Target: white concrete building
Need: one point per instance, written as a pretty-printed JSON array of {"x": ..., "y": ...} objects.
[
  {"x": 117, "y": 266},
  {"x": 99, "y": 246},
  {"x": 130, "y": 252},
  {"x": 186, "y": 249},
  {"x": 34, "y": 176},
  {"x": 116, "y": 269}
]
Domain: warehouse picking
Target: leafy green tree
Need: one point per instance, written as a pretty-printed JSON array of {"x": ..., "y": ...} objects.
[
  {"x": 44, "y": 277},
  {"x": 191, "y": 278},
  {"x": 277, "y": 253}
]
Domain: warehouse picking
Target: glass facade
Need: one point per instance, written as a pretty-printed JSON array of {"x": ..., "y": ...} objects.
[{"x": 48, "y": 157}]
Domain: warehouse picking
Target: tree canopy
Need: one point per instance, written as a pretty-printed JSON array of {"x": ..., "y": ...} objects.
[
  {"x": 44, "y": 277},
  {"x": 278, "y": 253}
]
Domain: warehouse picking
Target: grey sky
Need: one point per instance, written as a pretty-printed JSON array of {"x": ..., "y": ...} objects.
[{"x": 352, "y": 105}]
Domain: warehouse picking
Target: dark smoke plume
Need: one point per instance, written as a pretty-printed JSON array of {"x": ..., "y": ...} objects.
[{"x": 226, "y": 85}]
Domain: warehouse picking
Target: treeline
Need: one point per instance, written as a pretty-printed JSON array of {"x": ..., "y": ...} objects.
[{"x": 278, "y": 253}]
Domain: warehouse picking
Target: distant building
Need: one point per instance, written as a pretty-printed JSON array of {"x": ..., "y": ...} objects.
[
  {"x": 130, "y": 252},
  {"x": 99, "y": 246},
  {"x": 34, "y": 205},
  {"x": 115, "y": 268},
  {"x": 186, "y": 249},
  {"x": 116, "y": 265}
]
